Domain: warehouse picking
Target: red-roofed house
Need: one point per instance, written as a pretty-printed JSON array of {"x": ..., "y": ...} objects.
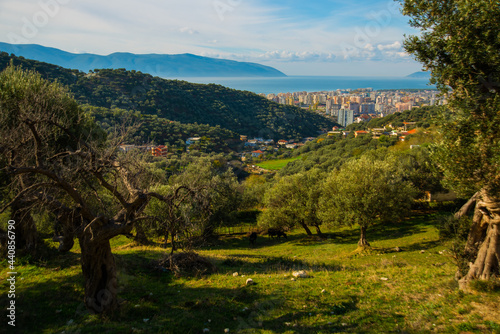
[
  {"x": 257, "y": 153},
  {"x": 358, "y": 133},
  {"x": 282, "y": 142}
]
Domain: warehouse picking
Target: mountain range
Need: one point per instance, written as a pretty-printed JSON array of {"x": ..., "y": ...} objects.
[{"x": 161, "y": 65}]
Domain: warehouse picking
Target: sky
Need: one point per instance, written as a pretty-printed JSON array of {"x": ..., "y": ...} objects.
[{"x": 297, "y": 37}]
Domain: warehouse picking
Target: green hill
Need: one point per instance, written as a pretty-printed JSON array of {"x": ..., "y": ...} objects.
[{"x": 238, "y": 111}]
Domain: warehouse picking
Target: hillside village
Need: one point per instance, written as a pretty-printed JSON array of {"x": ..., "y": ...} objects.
[{"x": 352, "y": 119}]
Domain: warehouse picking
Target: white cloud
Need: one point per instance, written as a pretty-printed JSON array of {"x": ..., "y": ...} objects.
[
  {"x": 235, "y": 29},
  {"x": 369, "y": 47},
  {"x": 394, "y": 46},
  {"x": 305, "y": 56}
]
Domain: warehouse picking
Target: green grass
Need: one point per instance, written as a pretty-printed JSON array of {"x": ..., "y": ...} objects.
[
  {"x": 276, "y": 164},
  {"x": 375, "y": 291}
]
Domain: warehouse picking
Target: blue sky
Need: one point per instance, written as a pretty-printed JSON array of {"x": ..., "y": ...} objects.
[{"x": 315, "y": 37}]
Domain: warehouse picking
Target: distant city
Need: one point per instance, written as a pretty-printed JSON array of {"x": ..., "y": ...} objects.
[{"x": 360, "y": 105}]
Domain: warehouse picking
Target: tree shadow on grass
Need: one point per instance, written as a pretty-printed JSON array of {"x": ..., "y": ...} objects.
[
  {"x": 243, "y": 242},
  {"x": 305, "y": 321},
  {"x": 45, "y": 304},
  {"x": 153, "y": 301},
  {"x": 47, "y": 256},
  {"x": 380, "y": 231},
  {"x": 242, "y": 309},
  {"x": 270, "y": 264},
  {"x": 424, "y": 245}
]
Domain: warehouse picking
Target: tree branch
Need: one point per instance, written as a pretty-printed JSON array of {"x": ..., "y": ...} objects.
[
  {"x": 59, "y": 182},
  {"x": 467, "y": 206},
  {"x": 24, "y": 191}
]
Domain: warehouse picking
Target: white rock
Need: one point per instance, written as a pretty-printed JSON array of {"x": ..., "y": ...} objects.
[
  {"x": 235, "y": 274},
  {"x": 206, "y": 330},
  {"x": 250, "y": 281},
  {"x": 384, "y": 279},
  {"x": 300, "y": 274}
]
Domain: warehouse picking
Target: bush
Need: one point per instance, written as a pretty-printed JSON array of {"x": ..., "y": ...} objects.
[
  {"x": 457, "y": 231},
  {"x": 451, "y": 228},
  {"x": 188, "y": 264}
]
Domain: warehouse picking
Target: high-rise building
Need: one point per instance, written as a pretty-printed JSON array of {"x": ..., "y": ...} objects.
[
  {"x": 346, "y": 117},
  {"x": 367, "y": 108}
]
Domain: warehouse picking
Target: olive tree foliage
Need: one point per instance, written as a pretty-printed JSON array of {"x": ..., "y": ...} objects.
[
  {"x": 459, "y": 43},
  {"x": 38, "y": 121},
  {"x": 293, "y": 201},
  {"x": 363, "y": 192},
  {"x": 56, "y": 158},
  {"x": 173, "y": 217},
  {"x": 254, "y": 189},
  {"x": 217, "y": 182},
  {"x": 416, "y": 166},
  {"x": 201, "y": 198}
]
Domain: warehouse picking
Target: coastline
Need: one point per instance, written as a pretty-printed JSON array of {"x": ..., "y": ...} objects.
[{"x": 292, "y": 84}]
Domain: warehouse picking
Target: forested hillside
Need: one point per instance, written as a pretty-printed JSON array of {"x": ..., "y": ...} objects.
[
  {"x": 241, "y": 112},
  {"x": 161, "y": 131},
  {"x": 421, "y": 117}
]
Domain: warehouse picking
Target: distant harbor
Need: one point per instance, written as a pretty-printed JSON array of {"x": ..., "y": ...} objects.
[{"x": 314, "y": 83}]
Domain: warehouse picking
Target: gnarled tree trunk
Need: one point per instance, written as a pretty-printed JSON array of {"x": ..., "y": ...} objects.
[
  {"x": 99, "y": 272},
  {"x": 26, "y": 231},
  {"x": 306, "y": 228},
  {"x": 66, "y": 233},
  {"x": 318, "y": 230},
  {"x": 484, "y": 237},
  {"x": 140, "y": 235},
  {"x": 362, "y": 240}
]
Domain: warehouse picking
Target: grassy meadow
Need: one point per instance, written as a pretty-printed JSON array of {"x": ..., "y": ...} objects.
[
  {"x": 349, "y": 291},
  {"x": 276, "y": 164}
]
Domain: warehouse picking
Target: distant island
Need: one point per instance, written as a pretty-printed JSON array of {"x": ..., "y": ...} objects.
[
  {"x": 162, "y": 65},
  {"x": 419, "y": 75}
]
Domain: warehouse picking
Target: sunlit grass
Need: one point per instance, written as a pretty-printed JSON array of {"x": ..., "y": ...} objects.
[
  {"x": 378, "y": 290},
  {"x": 276, "y": 164}
]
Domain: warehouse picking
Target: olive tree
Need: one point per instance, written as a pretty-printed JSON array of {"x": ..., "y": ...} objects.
[
  {"x": 54, "y": 155},
  {"x": 293, "y": 201},
  {"x": 197, "y": 200},
  {"x": 363, "y": 192},
  {"x": 459, "y": 43}
]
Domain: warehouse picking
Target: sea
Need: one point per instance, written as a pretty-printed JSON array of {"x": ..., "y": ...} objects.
[{"x": 292, "y": 84}]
